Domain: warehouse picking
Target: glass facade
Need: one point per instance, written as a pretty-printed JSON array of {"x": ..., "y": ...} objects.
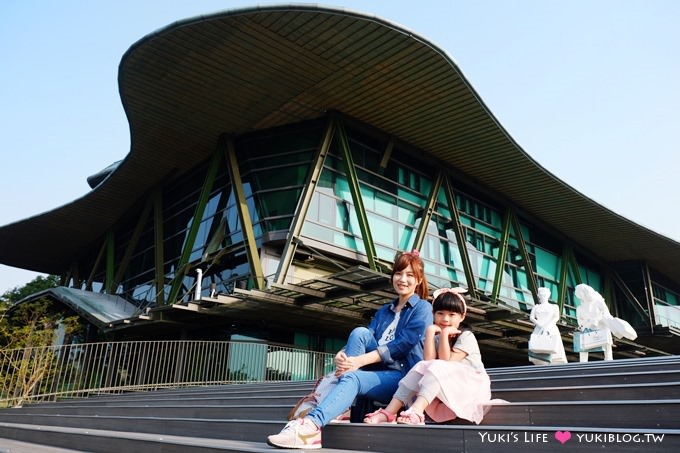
[
  {"x": 395, "y": 191},
  {"x": 666, "y": 306}
]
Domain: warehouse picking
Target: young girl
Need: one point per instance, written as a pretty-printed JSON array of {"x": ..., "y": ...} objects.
[
  {"x": 451, "y": 381},
  {"x": 375, "y": 357}
]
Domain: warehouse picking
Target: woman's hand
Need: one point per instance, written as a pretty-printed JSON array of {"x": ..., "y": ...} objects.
[
  {"x": 344, "y": 363},
  {"x": 340, "y": 357}
]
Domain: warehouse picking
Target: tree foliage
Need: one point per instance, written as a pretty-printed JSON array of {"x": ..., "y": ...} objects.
[
  {"x": 33, "y": 323},
  {"x": 27, "y": 333},
  {"x": 36, "y": 285}
]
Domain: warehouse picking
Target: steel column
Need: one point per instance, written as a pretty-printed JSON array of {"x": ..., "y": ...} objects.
[
  {"x": 649, "y": 295},
  {"x": 110, "y": 260},
  {"x": 355, "y": 191},
  {"x": 190, "y": 239},
  {"x": 461, "y": 238},
  {"x": 227, "y": 144},
  {"x": 502, "y": 254},
  {"x": 159, "y": 252},
  {"x": 132, "y": 245},
  {"x": 95, "y": 266},
  {"x": 427, "y": 212},
  {"x": 563, "y": 284},
  {"x": 303, "y": 204},
  {"x": 528, "y": 268}
]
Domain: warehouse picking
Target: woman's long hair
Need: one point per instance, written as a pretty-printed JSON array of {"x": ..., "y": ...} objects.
[{"x": 413, "y": 258}]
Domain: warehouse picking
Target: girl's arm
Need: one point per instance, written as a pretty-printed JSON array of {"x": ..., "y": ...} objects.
[
  {"x": 465, "y": 344},
  {"x": 457, "y": 354},
  {"x": 429, "y": 347},
  {"x": 445, "y": 351}
]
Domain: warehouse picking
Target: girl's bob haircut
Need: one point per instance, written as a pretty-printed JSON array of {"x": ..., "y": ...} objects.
[{"x": 450, "y": 302}]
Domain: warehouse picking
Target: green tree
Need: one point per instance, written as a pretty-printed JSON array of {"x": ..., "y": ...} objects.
[
  {"x": 30, "y": 324},
  {"x": 27, "y": 332},
  {"x": 36, "y": 285}
]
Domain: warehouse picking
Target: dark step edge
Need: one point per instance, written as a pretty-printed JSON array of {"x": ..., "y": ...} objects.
[
  {"x": 508, "y": 438},
  {"x": 583, "y": 376},
  {"x": 161, "y": 402},
  {"x": 69, "y": 438}
]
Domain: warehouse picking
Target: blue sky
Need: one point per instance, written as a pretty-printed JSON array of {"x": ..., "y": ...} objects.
[{"x": 588, "y": 88}]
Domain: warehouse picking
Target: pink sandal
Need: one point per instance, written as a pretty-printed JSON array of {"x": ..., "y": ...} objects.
[
  {"x": 371, "y": 418},
  {"x": 408, "y": 417}
]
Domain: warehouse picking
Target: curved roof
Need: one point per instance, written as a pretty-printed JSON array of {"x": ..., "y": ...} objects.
[{"x": 254, "y": 68}]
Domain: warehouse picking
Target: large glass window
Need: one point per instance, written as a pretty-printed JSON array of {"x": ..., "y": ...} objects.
[
  {"x": 392, "y": 209},
  {"x": 274, "y": 165},
  {"x": 666, "y": 306}
]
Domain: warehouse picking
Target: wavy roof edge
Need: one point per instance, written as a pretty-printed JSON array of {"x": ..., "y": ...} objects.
[{"x": 273, "y": 65}]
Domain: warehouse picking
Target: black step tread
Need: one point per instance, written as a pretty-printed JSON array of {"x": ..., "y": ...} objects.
[
  {"x": 107, "y": 440},
  {"x": 634, "y": 391},
  {"x": 401, "y": 438},
  {"x": 615, "y": 414}
]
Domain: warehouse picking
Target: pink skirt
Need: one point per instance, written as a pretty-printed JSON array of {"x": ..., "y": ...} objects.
[{"x": 465, "y": 392}]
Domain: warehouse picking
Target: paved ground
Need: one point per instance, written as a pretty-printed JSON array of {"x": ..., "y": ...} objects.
[{"x": 14, "y": 446}]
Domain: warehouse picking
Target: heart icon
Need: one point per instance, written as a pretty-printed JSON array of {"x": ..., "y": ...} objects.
[{"x": 562, "y": 436}]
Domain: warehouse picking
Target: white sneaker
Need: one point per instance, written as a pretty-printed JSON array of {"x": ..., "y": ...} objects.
[{"x": 299, "y": 433}]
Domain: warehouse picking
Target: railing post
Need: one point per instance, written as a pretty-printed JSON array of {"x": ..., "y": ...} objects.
[{"x": 83, "y": 369}]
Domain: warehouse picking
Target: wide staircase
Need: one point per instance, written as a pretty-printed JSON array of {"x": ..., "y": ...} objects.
[{"x": 625, "y": 405}]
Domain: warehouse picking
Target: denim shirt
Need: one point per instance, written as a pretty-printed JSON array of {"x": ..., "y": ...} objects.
[{"x": 407, "y": 347}]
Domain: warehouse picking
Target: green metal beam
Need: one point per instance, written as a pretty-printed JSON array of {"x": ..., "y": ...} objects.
[
  {"x": 387, "y": 155},
  {"x": 526, "y": 257},
  {"x": 621, "y": 284},
  {"x": 227, "y": 144},
  {"x": 132, "y": 245},
  {"x": 159, "y": 253},
  {"x": 355, "y": 191},
  {"x": 575, "y": 270},
  {"x": 97, "y": 263},
  {"x": 303, "y": 204},
  {"x": 502, "y": 254},
  {"x": 461, "y": 238},
  {"x": 190, "y": 239},
  {"x": 564, "y": 279},
  {"x": 428, "y": 210},
  {"x": 568, "y": 262},
  {"x": 649, "y": 295},
  {"x": 110, "y": 260}
]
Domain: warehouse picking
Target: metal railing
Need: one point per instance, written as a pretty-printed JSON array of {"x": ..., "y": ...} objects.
[{"x": 79, "y": 370}]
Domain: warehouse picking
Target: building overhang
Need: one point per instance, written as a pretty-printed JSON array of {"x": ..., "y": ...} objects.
[
  {"x": 251, "y": 69},
  {"x": 98, "y": 309}
]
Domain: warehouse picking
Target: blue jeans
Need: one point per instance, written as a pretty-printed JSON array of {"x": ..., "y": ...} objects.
[{"x": 374, "y": 381}]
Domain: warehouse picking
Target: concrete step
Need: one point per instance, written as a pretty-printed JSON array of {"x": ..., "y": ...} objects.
[
  {"x": 592, "y": 399},
  {"x": 643, "y": 391},
  {"x": 245, "y": 425},
  {"x": 346, "y": 438},
  {"x": 276, "y": 408},
  {"x": 493, "y": 439},
  {"x": 60, "y": 439}
]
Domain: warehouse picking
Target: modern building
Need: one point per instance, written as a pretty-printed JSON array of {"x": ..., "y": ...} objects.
[{"x": 282, "y": 155}]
